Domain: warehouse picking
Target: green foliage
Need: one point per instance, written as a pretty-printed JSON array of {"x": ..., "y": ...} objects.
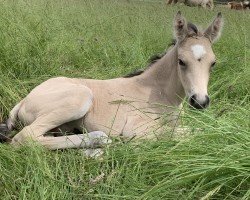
[{"x": 109, "y": 38}]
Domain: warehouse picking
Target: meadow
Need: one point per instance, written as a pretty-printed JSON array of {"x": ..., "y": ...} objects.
[{"x": 104, "y": 39}]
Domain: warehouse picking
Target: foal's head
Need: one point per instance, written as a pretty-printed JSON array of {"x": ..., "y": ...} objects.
[{"x": 196, "y": 57}]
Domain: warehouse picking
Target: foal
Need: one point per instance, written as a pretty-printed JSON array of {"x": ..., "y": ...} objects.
[{"x": 128, "y": 107}]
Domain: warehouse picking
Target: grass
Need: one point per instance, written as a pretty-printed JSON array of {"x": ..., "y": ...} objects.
[{"x": 106, "y": 39}]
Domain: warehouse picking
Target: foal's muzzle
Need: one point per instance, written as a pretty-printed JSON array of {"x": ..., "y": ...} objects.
[{"x": 198, "y": 104}]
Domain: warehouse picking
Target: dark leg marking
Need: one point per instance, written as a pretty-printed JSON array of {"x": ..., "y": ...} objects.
[{"x": 4, "y": 133}]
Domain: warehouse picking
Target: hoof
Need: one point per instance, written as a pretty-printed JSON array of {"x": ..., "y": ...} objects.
[
  {"x": 93, "y": 153},
  {"x": 3, "y": 133},
  {"x": 4, "y": 138},
  {"x": 97, "y": 139}
]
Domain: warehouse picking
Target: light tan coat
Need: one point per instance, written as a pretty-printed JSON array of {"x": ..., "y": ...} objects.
[{"x": 128, "y": 107}]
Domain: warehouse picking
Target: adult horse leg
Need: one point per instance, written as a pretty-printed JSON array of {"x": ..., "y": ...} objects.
[
  {"x": 210, "y": 4},
  {"x": 169, "y": 2}
]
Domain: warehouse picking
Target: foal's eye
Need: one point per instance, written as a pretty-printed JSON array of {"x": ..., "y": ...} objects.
[{"x": 181, "y": 63}]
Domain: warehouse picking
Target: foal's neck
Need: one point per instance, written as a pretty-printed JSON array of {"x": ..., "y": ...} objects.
[{"x": 162, "y": 77}]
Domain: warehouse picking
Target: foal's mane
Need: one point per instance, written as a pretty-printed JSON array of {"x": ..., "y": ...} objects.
[
  {"x": 193, "y": 30},
  {"x": 153, "y": 59}
]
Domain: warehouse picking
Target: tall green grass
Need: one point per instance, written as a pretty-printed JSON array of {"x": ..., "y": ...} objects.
[{"x": 106, "y": 39}]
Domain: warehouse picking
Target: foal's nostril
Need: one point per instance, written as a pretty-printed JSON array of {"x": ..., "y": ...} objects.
[
  {"x": 193, "y": 101},
  {"x": 207, "y": 101}
]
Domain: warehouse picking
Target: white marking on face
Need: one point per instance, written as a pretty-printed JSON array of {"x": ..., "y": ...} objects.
[{"x": 198, "y": 51}]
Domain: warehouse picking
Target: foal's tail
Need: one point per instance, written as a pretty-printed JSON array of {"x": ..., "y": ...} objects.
[
  {"x": 13, "y": 116},
  {"x": 5, "y": 128}
]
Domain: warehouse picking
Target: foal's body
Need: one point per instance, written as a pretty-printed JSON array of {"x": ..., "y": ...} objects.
[
  {"x": 123, "y": 106},
  {"x": 128, "y": 107},
  {"x": 105, "y": 105}
]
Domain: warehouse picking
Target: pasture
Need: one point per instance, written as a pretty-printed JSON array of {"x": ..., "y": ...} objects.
[{"x": 104, "y": 39}]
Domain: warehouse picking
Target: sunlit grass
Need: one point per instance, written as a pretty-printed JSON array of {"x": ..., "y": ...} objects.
[{"x": 106, "y": 39}]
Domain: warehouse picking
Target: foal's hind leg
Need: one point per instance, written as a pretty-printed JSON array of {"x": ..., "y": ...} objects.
[
  {"x": 36, "y": 130},
  {"x": 61, "y": 113}
]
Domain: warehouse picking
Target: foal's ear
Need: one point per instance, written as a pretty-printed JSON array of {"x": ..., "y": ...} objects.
[
  {"x": 180, "y": 26},
  {"x": 214, "y": 30}
]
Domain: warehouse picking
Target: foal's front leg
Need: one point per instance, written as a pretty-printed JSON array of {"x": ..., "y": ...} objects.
[
  {"x": 92, "y": 140},
  {"x": 35, "y": 132}
]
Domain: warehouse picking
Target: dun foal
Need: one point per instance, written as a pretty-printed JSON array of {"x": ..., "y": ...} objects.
[{"x": 129, "y": 106}]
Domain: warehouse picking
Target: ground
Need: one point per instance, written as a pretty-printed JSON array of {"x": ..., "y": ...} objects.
[{"x": 109, "y": 38}]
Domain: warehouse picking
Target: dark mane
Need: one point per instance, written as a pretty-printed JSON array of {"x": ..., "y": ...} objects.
[
  {"x": 134, "y": 73},
  {"x": 192, "y": 27},
  {"x": 153, "y": 59}
]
